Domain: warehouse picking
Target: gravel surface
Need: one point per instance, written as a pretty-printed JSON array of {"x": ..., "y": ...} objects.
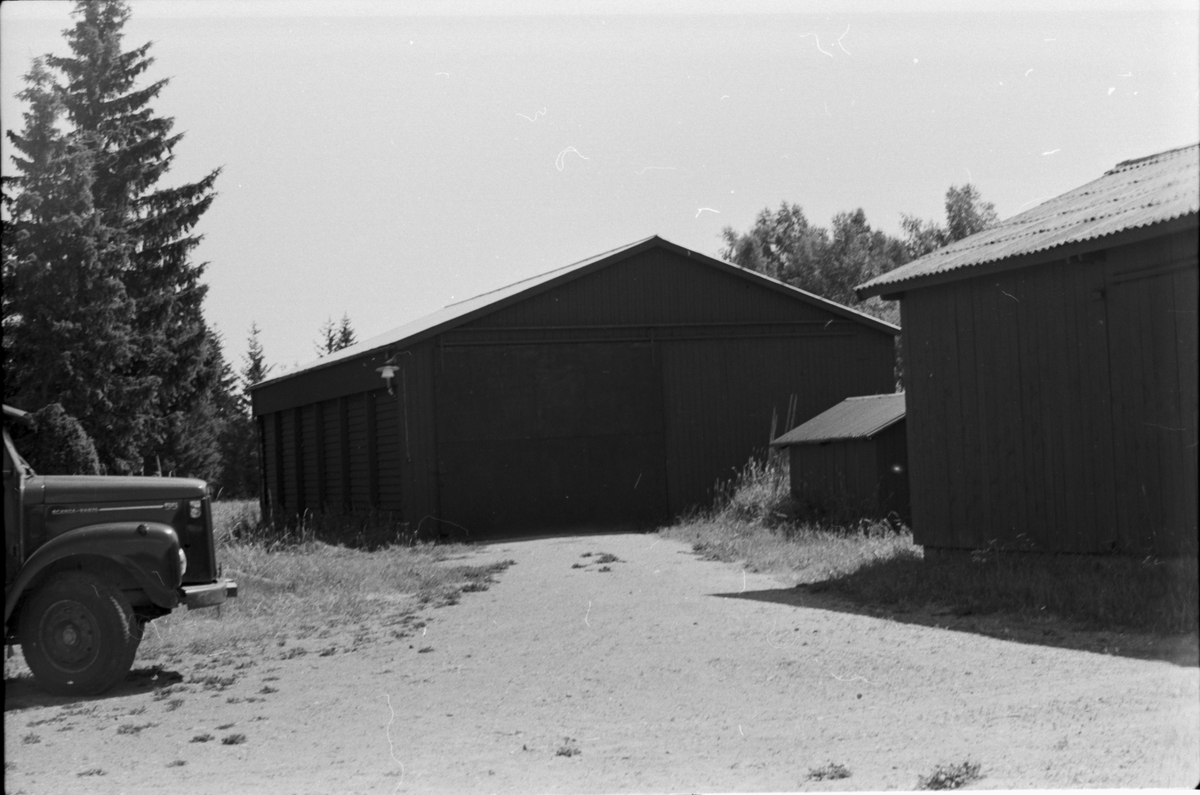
[{"x": 654, "y": 672}]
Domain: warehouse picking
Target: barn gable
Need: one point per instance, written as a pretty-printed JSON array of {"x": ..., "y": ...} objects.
[{"x": 586, "y": 397}]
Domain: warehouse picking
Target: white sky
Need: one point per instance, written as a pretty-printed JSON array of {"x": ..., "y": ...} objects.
[{"x": 383, "y": 163}]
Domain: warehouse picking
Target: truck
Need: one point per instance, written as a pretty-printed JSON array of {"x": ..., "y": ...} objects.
[{"x": 91, "y": 559}]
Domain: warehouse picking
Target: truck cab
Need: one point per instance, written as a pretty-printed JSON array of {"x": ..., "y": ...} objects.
[{"x": 90, "y": 560}]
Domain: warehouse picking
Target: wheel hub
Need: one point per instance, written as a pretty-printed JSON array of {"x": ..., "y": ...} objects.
[{"x": 69, "y": 634}]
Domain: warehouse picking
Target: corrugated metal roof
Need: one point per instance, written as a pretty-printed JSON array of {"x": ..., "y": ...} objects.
[
  {"x": 853, "y": 418},
  {"x": 1133, "y": 194},
  {"x": 466, "y": 310}
]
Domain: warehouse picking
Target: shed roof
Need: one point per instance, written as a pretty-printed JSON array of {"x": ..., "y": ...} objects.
[
  {"x": 460, "y": 312},
  {"x": 1133, "y": 194},
  {"x": 853, "y": 418}
]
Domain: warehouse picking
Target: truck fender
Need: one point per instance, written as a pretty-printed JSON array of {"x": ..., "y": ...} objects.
[{"x": 148, "y": 551}]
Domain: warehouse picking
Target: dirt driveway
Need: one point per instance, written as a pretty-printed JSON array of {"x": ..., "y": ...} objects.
[{"x": 655, "y": 672}]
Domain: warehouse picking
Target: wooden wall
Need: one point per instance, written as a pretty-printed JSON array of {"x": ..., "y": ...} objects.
[
  {"x": 708, "y": 357},
  {"x": 853, "y": 477},
  {"x": 1054, "y": 407}
]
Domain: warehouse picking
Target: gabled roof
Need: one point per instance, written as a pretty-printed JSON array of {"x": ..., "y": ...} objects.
[
  {"x": 464, "y": 311},
  {"x": 1133, "y": 194},
  {"x": 853, "y": 418}
]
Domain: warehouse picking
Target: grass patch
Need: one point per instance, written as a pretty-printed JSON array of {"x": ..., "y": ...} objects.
[
  {"x": 754, "y": 522},
  {"x": 291, "y": 582},
  {"x": 950, "y": 776},
  {"x": 233, "y": 739}
]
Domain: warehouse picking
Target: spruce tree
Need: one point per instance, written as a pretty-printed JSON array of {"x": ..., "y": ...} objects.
[
  {"x": 68, "y": 338},
  {"x": 152, "y": 237},
  {"x": 345, "y": 335}
]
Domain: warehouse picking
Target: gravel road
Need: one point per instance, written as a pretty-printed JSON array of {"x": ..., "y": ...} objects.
[{"x": 656, "y": 672}]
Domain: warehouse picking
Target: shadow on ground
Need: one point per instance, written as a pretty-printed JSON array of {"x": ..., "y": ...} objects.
[
  {"x": 1183, "y": 650},
  {"x": 23, "y": 692}
]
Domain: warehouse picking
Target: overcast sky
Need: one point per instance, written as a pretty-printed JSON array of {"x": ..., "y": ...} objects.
[{"x": 381, "y": 162}]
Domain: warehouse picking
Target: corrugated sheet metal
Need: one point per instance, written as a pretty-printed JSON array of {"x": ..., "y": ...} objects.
[
  {"x": 461, "y": 312},
  {"x": 853, "y": 418},
  {"x": 1135, "y": 193}
]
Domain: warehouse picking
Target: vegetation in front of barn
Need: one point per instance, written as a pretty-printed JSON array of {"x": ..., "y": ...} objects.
[
  {"x": 299, "y": 594},
  {"x": 756, "y": 522}
]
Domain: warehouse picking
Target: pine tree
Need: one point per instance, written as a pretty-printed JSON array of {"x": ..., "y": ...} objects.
[{"x": 152, "y": 227}]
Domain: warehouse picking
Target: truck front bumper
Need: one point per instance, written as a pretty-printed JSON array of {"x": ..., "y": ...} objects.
[{"x": 209, "y": 594}]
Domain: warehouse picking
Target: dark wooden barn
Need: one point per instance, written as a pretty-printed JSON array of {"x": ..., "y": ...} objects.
[
  {"x": 612, "y": 392},
  {"x": 1051, "y": 371},
  {"x": 851, "y": 460}
]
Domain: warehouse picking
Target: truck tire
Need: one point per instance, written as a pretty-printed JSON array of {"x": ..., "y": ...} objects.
[{"x": 78, "y": 634}]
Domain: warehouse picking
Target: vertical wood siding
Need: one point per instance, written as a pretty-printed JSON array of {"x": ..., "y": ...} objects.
[
  {"x": 331, "y": 436},
  {"x": 287, "y": 470},
  {"x": 841, "y": 477},
  {"x": 1053, "y": 407},
  {"x": 312, "y": 489},
  {"x": 387, "y": 450},
  {"x": 360, "y": 485},
  {"x": 720, "y": 395},
  {"x": 418, "y": 416},
  {"x": 270, "y": 474}
]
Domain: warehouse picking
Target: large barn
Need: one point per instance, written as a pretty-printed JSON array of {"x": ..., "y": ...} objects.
[
  {"x": 613, "y": 392},
  {"x": 1051, "y": 371}
]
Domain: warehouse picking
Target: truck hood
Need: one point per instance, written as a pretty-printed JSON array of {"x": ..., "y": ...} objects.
[{"x": 63, "y": 489}]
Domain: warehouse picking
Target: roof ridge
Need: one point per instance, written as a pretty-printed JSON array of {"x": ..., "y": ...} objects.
[
  {"x": 552, "y": 270},
  {"x": 1141, "y": 161}
]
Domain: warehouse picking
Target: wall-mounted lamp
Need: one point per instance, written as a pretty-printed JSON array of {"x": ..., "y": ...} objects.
[{"x": 388, "y": 372}]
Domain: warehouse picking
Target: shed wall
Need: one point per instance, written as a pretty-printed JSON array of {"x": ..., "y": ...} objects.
[
  {"x": 1054, "y": 407},
  {"x": 841, "y": 477}
]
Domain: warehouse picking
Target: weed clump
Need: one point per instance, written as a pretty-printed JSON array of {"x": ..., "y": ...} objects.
[
  {"x": 568, "y": 748},
  {"x": 828, "y": 772},
  {"x": 950, "y": 776}
]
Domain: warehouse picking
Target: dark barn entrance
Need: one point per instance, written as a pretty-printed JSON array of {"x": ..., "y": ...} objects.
[{"x": 566, "y": 436}]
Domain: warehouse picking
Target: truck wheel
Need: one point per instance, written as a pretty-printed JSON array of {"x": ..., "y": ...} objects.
[{"x": 78, "y": 635}]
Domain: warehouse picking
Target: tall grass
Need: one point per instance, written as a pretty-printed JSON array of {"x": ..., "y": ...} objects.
[
  {"x": 292, "y": 586},
  {"x": 755, "y": 521}
]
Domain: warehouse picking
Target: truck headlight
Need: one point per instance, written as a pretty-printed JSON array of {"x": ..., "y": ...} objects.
[{"x": 182, "y": 563}]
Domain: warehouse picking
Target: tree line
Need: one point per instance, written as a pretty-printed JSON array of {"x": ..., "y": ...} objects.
[
  {"x": 104, "y": 334},
  {"x": 830, "y": 262}
]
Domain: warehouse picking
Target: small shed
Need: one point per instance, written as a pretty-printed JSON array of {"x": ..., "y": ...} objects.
[
  {"x": 1051, "y": 371},
  {"x": 852, "y": 460},
  {"x": 612, "y": 392}
]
